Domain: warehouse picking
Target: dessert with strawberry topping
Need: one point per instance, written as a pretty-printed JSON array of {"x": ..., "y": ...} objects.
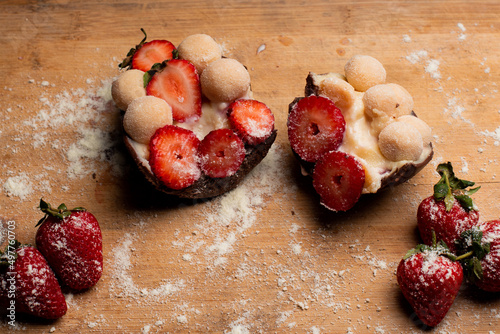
[
  {"x": 178, "y": 143},
  {"x": 374, "y": 124}
]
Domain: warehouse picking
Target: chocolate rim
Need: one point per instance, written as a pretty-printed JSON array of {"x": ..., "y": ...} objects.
[{"x": 206, "y": 187}]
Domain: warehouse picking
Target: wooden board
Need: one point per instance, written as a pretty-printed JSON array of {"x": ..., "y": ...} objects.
[{"x": 267, "y": 257}]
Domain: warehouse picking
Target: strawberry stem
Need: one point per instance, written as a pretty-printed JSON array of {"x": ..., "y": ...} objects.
[
  {"x": 449, "y": 188},
  {"x": 61, "y": 212}
]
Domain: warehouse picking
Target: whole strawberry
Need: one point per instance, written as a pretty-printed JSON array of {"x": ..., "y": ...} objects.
[
  {"x": 480, "y": 249},
  {"x": 450, "y": 211},
  {"x": 71, "y": 241},
  {"x": 430, "y": 280},
  {"x": 28, "y": 285}
]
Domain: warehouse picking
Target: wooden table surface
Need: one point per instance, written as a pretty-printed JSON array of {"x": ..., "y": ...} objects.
[{"x": 265, "y": 258}]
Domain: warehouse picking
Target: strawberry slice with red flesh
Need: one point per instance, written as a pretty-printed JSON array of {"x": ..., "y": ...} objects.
[
  {"x": 178, "y": 84},
  {"x": 221, "y": 153},
  {"x": 338, "y": 178},
  {"x": 152, "y": 52},
  {"x": 252, "y": 120},
  {"x": 315, "y": 126},
  {"x": 173, "y": 156}
]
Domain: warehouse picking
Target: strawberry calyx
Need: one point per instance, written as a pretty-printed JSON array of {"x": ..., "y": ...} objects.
[
  {"x": 440, "y": 248},
  {"x": 449, "y": 188},
  {"x": 156, "y": 68},
  {"x": 472, "y": 251},
  {"x": 61, "y": 212},
  {"x": 127, "y": 61}
]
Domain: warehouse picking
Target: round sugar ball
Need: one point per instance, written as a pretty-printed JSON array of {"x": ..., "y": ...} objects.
[
  {"x": 200, "y": 50},
  {"x": 422, "y": 127},
  {"x": 144, "y": 116},
  {"x": 225, "y": 80},
  {"x": 363, "y": 72},
  {"x": 387, "y": 100},
  {"x": 400, "y": 141},
  {"x": 127, "y": 87},
  {"x": 339, "y": 91}
]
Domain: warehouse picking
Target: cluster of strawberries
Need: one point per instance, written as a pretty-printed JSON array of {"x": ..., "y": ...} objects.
[
  {"x": 430, "y": 275},
  {"x": 68, "y": 253}
]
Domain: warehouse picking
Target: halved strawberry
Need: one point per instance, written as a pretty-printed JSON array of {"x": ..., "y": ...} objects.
[
  {"x": 173, "y": 156},
  {"x": 338, "y": 179},
  {"x": 315, "y": 126},
  {"x": 252, "y": 120},
  {"x": 178, "y": 84},
  {"x": 153, "y": 52},
  {"x": 221, "y": 153}
]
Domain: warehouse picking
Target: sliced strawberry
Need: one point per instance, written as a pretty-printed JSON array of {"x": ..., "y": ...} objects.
[
  {"x": 338, "y": 179},
  {"x": 252, "y": 120},
  {"x": 151, "y": 53},
  {"x": 178, "y": 84},
  {"x": 173, "y": 156},
  {"x": 221, "y": 153},
  {"x": 315, "y": 126}
]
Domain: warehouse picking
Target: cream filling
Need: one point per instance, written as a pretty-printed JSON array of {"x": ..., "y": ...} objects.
[
  {"x": 360, "y": 142},
  {"x": 213, "y": 117}
]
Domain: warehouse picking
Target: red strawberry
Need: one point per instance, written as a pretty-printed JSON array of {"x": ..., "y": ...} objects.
[
  {"x": 480, "y": 249},
  {"x": 177, "y": 82},
  {"x": 29, "y": 284},
  {"x": 173, "y": 156},
  {"x": 221, "y": 153},
  {"x": 252, "y": 120},
  {"x": 152, "y": 53},
  {"x": 315, "y": 126},
  {"x": 450, "y": 211},
  {"x": 338, "y": 179},
  {"x": 430, "y": 281},
  {"x": 71, "y": 241},
  {"x": 145, "y": 55}
]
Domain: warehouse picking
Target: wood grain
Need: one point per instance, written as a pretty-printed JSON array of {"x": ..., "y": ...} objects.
[{"x": 287, "y": 265}]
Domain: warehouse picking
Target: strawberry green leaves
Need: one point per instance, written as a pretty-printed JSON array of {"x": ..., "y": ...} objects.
[{"x": 449, "y": 188}]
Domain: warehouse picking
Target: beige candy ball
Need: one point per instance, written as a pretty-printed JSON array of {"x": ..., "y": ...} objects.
[
  {"x": 422, "y": 127},
  {"x": 337, "y": 90},
  {"x": 200, "y": 50},
  {"x": 144, "y": 116},
  {"x": 400, "y": 141},
  {"x": 225, "y": 80},
  {"x": 387, "y": 100},
  {"x": 363, "y": 72},
  {"x": 127, "y": 87}
]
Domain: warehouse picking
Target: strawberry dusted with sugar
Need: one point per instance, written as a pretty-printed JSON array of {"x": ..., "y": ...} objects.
[
  {"x": 173, "y": 156},
  {"x": 430, "y": 278},
  {"x": 71, "y": 241},
  {"x": 338, "y": 178},
  {"x": 29, "y": 284},
  {"x": 252, "y": 120},
  {"x": 221, "y": 153},
  {"x": 146, "y": 54},
  {"x": 315, "y": 127},
  {"x": 450, "y": 211},
  {"x": 177, "y": 82}
]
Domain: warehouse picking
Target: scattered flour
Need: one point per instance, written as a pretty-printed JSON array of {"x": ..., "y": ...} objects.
[{"x": 19, "y": 186}]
